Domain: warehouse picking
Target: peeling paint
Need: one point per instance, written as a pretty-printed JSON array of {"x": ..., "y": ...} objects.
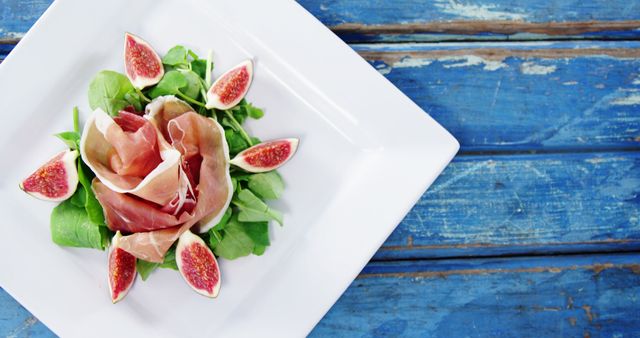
[
  {"x": 630, "y": 100},
  {"x": 472, "y": 60},
  {"x": 20, "y": 330},
  {"x": 531, "y": 68},
  {"x": 11, "y": 35},
  {"x": 587, "y": 311},
  {"x": 410, "y": 62},
  {"x": 481, "y": 12}
]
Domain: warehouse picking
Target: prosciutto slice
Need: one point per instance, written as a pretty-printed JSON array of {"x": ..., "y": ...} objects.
[
  {"x": 135, "y": 159},
  {"x": 200, "y": 186}
]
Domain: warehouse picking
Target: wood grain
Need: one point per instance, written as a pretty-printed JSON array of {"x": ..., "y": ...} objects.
[
  {"x": 524, "y": 204},
  {"x": 570, "y": 296},
  {"x": 16, "y": 321},
  {"x": 16, "y": 17},
  {"x": 522, "y": 96},
  {"x": 427, "y": 20}
]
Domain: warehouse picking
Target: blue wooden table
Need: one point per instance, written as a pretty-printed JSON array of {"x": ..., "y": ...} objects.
[{"x": 534, "y": 228}]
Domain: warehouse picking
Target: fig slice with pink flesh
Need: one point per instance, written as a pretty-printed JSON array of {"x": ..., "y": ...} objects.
[
  {"x": 230, "y": 87},
  {"x": 266, "y": 156},
  {"x": 55, "y": 180},
  {"x": 197, "y": 264},
  {"x": 142, "y": 64},
  {"x": 122, "y": 270}
]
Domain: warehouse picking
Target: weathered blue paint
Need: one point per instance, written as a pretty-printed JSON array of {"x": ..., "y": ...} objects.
[
  {"x": 522, "y": 96},
  {"x": 16, "y": 17},
  {"x": 518, "y": 204},
  {"x": 350, "y": 17},
  {"x": 5, "y": 49},
  {"x": 597, "y": 296},
  {"x": 380, "y": 12},
  {"x": 16, "y": 321}
]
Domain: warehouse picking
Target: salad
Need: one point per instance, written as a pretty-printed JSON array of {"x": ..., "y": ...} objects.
[{"x": 162, "y": 173}]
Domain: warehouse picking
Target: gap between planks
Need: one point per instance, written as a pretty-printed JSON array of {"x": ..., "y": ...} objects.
[
  {"x": 597, "y": 268},
  {"x": 502, "y": 265},
  {"x": 471, "y": 27},
  {"x": 499, "y": 54}
]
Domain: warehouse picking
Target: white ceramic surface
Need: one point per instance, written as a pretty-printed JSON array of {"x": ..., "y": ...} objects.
[{"x": 367, "y": 153}]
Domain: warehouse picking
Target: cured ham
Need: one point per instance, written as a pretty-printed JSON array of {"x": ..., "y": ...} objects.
[
  {"x": 121, "y": 158},
  {"x": 187, "y": 189}
]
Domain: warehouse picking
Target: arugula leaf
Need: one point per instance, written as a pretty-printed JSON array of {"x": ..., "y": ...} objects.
[
  {"x": 175, "y": 56},
  {"x": 145, "y": 268},
  {"x": 254, "y": 112},
  {"x": 169, "y": 261},
  {"x": 224, "y": 220},
  {"x": 107, "y": 91},
  {"x": 199, "y": 66},
  {"x": 267, "y": 185},
  {"x": 229, "y": 120},
  {"x": 174, "y": 83},
  {"x": 258, "y": 250},
  {"x": 239, "y": 114},
  {"x": 245, "y": 109},
  {"x": 134, "y": 100},
  {"x": 70, "y": 138},
  {"x": 241, "y": 239},
  {"x": 79, "y": 199},
  {"x": 193, "y": 86},
  {"x": 71, "y": 226},
  {"x": 253, "y": 209},
  {"x": 258, "y": 232},
  {"x": 170, "y": 84},
  {"x": 235, "y": 141},
  {"x": 76, "y": 120},
  {"x": 92, "y": 206}
]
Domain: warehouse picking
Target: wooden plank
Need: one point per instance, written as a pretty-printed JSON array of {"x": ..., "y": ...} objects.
[
  {"x": 522, "y": 96},
  {"x": 576, "y": 296},
  {"x": 438, "y": 20},
  {"x": 550, "y": 296},
  {"x": 519, "y": 204},
  {"x": 16, "y": 321},
  {"x": 16, "y": 17},
  {"x": 426, "y": 20}
]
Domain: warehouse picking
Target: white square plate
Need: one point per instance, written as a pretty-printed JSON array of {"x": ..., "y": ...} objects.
[{"x": 367, "y": 153}]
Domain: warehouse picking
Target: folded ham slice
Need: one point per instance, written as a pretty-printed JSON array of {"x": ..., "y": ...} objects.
[
  {"x": 121, "y": 158},
  {"x": 197, "y": 185}
]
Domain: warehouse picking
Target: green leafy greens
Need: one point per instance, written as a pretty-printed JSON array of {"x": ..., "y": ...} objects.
[
  {"x": 71, "y": 226},
  {"x": 112, "y": 92},
  {"x": 244, "y": 227},
  {"x": 146, "y": 268},
  {"x": 79, "y": 221}
]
